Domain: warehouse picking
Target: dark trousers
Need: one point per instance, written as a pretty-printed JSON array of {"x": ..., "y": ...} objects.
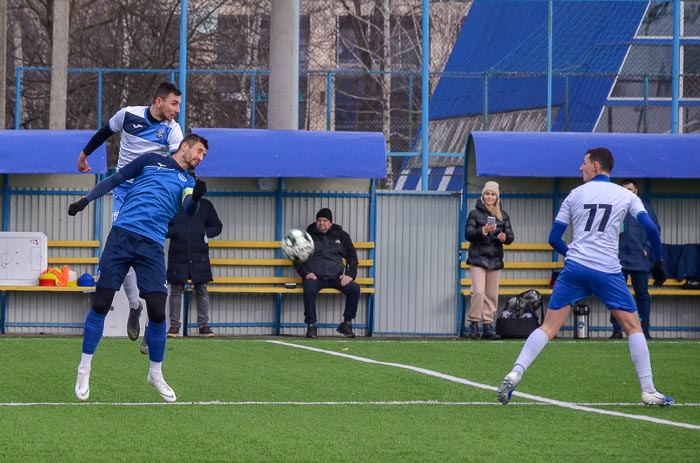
[
  {"x": 640, "y": 283},
  {"x": 311, "y": 289}
]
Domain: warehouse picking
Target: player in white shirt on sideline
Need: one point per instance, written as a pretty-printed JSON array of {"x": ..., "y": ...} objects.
[
  {"x": 145, "y": 130},
  {"x": 596, "y": 210}
]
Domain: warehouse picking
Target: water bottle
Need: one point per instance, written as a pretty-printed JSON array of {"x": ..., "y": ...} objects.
[{"x": 581, "y": 313}]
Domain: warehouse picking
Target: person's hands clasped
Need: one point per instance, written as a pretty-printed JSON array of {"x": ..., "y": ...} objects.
[
  {"x": 311, "y": 276},
  {"x": 345, "y": 280}
]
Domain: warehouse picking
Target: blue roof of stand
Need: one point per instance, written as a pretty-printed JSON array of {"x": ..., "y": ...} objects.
[
  {"x": 232, "y": 153},
  {"x": 510, "y": 36},
  {"x": 560, "y": 154},
  {"x": 292, "y": 153},
  {"x": 47, "y": 152}
]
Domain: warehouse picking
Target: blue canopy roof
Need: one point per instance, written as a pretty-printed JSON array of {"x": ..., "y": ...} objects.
[
  {"x": 292, "y": 153},
  {"x": 232, "y": 153},
  {"x": 47, "y": 152},
  {"x": 557, "y": 154}
]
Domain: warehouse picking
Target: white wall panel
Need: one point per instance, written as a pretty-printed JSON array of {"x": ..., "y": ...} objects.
[{"x": 417, "y": 255}]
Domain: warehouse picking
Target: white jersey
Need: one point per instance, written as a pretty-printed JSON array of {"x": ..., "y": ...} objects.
[
  {"x": 597, "y": 210},
  {"x": 140, "y": 135}
]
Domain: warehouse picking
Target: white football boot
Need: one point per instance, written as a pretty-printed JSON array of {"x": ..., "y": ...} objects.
[
  {"x": 82, "y": 384},
  {"x": 165, "y": 391},
  {"x": 508, "y": 386},
  {"x": 657, "y": 398}
]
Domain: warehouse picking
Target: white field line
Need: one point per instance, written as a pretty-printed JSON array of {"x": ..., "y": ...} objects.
[
  {"x": 401, "y": 403},
  {"x": 455, "y": 379}
]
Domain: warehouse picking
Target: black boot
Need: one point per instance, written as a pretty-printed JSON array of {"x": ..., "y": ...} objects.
[
  {"x": 473, "y": 330},
  {"x": 311, "y": 330},
  {"x": 489, "y": 333}
]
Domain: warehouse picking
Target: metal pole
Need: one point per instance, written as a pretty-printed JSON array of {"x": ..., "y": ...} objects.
[
  {"x": 99, "y": 99},
  {"x": 18, "y": 95},
  {"x": 372, "y": 252},
  {"x": 485, "y": 112},
  {"x": 550, "y": 13},
  {"x": 329, "y": 99},
  {"x": 3, "y": 62},
  {"x": 675, "y": 66},
  {"x": 253, "y": 97},
  {"x": 425, "y": 87},
  {"x": 183, "y": 64},
  {"x": 645, "y": 108}
]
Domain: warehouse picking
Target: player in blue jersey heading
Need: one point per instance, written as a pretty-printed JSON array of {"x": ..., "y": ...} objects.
[
  {"x": 145, "y": 130},
  {"x": 161, "y": 185},
  {"x": 596, "y": 210}
]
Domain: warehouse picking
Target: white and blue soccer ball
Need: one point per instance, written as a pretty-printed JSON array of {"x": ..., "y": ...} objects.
[{"x": 297, "y": 245}]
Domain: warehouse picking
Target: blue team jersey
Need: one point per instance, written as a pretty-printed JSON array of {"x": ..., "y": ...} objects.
[
  {"x": 141, "y": 136},
  {"x": 159, "y": 188}
]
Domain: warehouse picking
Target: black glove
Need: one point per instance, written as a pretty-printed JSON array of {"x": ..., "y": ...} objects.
[
  {"x": 78, "y": 206},
  {"x": 657, "y": 272},
  {"x": 200, "y": 187}
]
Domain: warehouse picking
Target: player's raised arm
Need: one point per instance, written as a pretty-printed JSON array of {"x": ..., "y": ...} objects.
[
  {"x": 129, "y": 171},
  {"x": 100, "y": 137}
]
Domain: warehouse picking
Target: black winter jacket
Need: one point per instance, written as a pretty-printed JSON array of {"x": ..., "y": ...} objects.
[
  {"x": 633, "y": 243},
  {"x": 330, "y": 249},
  {"x": 486, "y": 251},
  {"x": 188, "y": 256}
]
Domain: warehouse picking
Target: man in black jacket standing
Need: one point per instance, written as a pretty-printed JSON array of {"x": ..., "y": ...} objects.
[
  {"x": 635, "y": 258},
  {"x": 188, "y": 259},
  {"x": 325, "y": 269}
]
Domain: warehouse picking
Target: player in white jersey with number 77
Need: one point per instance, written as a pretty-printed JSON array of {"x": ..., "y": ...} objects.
[{"x": 596, "y": 210}]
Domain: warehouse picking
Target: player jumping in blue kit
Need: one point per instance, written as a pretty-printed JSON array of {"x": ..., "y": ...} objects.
[
  {"x": 161, "y": 185},
  {"x": 144, "y": 130},
  {"x": 596, "y": 210}
]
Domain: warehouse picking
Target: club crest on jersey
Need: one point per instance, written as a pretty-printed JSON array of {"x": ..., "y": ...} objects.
[
  {"x": 182, "y": 177},
  {"x": 160, "y": 134}
]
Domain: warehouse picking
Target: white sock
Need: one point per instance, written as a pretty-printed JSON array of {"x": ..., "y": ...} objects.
[
  {"x": 156, "y": 368},
  {"x": 131, "y": 289},
  {"x": 532, "y": 348},
  {"x": 86, "y": 361},
  {"x": 639, "y": 351}
]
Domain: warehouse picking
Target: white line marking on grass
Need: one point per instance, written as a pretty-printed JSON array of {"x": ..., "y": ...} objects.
[
  {"x": 244, "y": 403},
  {"x": 455, "y": 379},
  {"x": 352, "y": 402},
  {"x": 358, "y": 403}
]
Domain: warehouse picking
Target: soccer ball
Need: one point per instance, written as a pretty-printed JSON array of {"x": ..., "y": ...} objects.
[{"x": 297, "y": 246}]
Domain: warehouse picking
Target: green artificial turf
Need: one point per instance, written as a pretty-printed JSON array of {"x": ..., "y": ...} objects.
[{"x": 253, "y": 400}]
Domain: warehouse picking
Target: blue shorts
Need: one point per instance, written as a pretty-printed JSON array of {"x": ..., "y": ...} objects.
[
  {"x": 126, "y": 249},
  {"x": 577, "y": 282}
]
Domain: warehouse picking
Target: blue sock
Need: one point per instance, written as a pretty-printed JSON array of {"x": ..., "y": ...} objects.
[
  {"x": 155, "y": 337},
  {"x": 92, "y": 332}
]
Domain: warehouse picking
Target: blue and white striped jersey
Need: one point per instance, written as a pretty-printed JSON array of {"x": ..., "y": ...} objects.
[
  {"x": 597, "y": 210},
  {"x": 141, "y": 135}
]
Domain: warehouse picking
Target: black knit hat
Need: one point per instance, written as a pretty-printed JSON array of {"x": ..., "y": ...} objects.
[{"x": 325, "y": 213}]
